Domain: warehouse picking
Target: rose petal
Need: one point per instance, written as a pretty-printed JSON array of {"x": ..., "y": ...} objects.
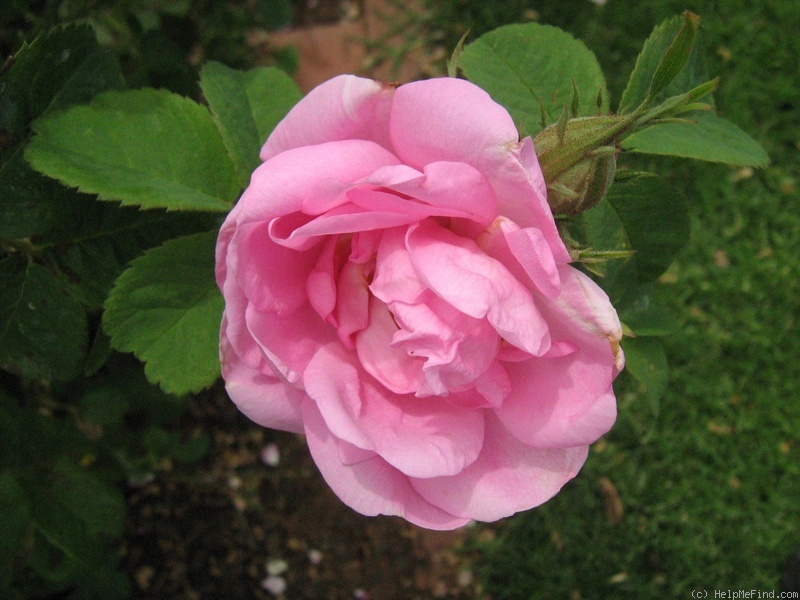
[
  {"x": 273, "y": 278},
  {"x": 345, "y": 107},
  {"x": 507, "y": 477},
  {"x": 352, "y": 302},
  {"x": 395, "y": 277},
  {"x": 288, "y": 341},
  {"x": 233, "y": 328},
  {"x": 321, "y": 282},
  {"x": 448, "y": 119},
  {"x": 529, "y": 247},
  {"x": 282, "y": 185},
  {"x": 457, "y": 271},
  {"x": 371, "y": 487},
  {"x": 567, "y": 401},
  {"x": 392, "y": 366},
  {"x": 352, "y": 455},
  {"x": 419, "y": 438},
  {"x": 458, "y": 348},
  {"x": 443, "y": 188},
  {"x": 264, "y": 399},
  {"x": 347, "y": 218},
  {"x": 521, "y": 196}
]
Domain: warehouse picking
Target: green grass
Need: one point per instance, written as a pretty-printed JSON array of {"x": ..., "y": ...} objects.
[{"x": 709, "y": 478}]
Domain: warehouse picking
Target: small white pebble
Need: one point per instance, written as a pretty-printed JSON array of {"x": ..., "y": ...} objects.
[
  {"x": 314, "y": 556},
  {"x": 360, "y": 594},
  {"x": 271, "y": 455},
  {"x": 274, "y": 585},
  {"x": 277, "y": 566},
  {"x": 464, "y": 578}
]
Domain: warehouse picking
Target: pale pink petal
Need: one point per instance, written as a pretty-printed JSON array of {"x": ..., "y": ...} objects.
[
  {"x": 457, "y": 271},
  {"x": 518, "y": 182},
  {"x": 530, "y": 161},
  {"x": 395, "y": 277},
  {"x": 233, "y": 328},
  {"x": 554, "y": 404},
  {"x": 421, "y": 438},
  {"x": 458, "y": 348},
  {"x": 352, "y": 302},
  {"x": 321, "y": 282},
  {"x": 567, "y": 400},
  {"x": 530, "y": 249},
  {"x": 345, "y": 107},
  {"x": 351, "y": 455},
  {"x": 263, "y": 398},
  {"x": 489, "y": 391},
  {"x": 273, "y": 278},
  {"x": 364, "y": 245},
  {"x": 383, "y": 201},
  {"x": 371, "y": 487},
  {"x": 392, "y": 366},
  {"x": 448, "y": 119},
  {"x": 347, "y": 218},
  {"x": 507, "y": 477},
  {"x": 443, "y": 188},
  {"x": 288, "y": 341},
  {"x": 282, "y": 185},
  {"x": 494, "y": 385},
  {"x": 453, "y": 120}
]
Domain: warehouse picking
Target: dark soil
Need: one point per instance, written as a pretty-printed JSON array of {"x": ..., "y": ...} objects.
[{"x": 220, "y": 528}]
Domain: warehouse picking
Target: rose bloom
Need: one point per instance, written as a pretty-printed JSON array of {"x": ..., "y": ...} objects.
[{"x": 396, "y": 290}]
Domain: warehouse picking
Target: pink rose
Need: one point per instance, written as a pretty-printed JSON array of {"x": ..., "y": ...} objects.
[{"x": 396, "y": 289}]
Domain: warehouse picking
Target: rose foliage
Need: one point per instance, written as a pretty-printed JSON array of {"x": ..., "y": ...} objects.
[{"x": 397, "y": 290}]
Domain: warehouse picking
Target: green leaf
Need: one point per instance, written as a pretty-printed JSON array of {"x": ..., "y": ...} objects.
[
  {"x": 146, "y": 147},
  {"x": 43, "y": 332},
  {"x": 711, "y": 138},
  {"x": 692, "y": 74},
  {"x": 103, "y": 238},
  {"x": 646, "y": 360},
  {"x": 98, "y": 504},
  {"x": 166, "y": 309},
  {"x": 645, "y": 317},
  {"x": 16, "y": 518},
  {"x": 246, "y": 107},
  {"x": 74, "y": 511},
  {"x": 644, "y": 215},
  {"x": 62, "y": 67},
  {"x": 676, "y": 55},
  {"x": 31, "y": 204},
  {"x": 527, "y": 67}
]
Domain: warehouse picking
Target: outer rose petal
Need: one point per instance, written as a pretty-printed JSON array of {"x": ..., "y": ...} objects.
[
  {"x": 507, "y": 477},
  {"x": 264, "y": 399},
  {"x": 372, "y": 487},
  {"x": 345, "y": 107},
  {"x": 567, "y": 401},
  {"x": 448, "y": 119}
]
